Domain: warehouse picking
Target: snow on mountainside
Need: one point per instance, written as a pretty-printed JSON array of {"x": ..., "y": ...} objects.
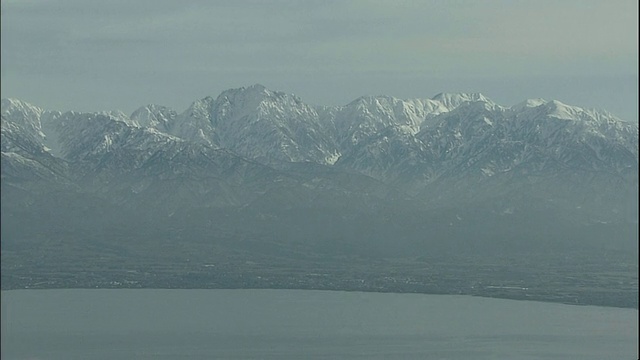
[
  {"x": 480, "y": 139},
  {"x": 271, "y": 126},
  {"x": 195, "y": 123},
  {"x": 154, "y": 116},
  {"x": 368, "y": 115},
  {"x": 25, "y": 156},
  {"x": 21, "y": 128},
  {"x": 256, "y": 123},
  {"x": 444, "y": 148}
]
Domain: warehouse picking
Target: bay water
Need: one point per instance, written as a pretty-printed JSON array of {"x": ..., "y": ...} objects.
[{"x": 303, "y": 324}]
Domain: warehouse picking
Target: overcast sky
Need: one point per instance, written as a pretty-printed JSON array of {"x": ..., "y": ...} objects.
[{"x": 104, "y": 55}]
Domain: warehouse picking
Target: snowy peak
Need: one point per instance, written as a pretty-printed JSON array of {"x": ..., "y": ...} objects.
[
  {"x": 273, "y": 127},
  {"x": 245, "y": 98},
  {"x": 452, "y": 101},
  {"x": 256, "y": 101},
  {"x": 21, "y": 127},
  {"x": 22, "y": 114},
  {"x": 25, "y": 157},
  {"x": 195, "y": 123},
  {"x": 200, "y": 108},
  {"x": 255, "y": 90},
  {"x": 529, "y": 103},
  {"x": 154, "y": 116},
  {"x": 367, "y": 115},
  {"x": 270, "y": 126},
  {"x": 453, "y": 146},
  {"x": 536, "y": 108},
  {"x": 14, "y": 108},
  {"x": 562, "y": 111},
  {"x": 90, "y": 136}
]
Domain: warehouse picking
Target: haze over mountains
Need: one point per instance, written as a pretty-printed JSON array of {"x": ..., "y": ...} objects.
[{"x": 379, "y": 176}]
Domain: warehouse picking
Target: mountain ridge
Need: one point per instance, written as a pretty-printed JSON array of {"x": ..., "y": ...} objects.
[
  {"x": 264, "y": 154},
  {"x": 272, "y": 127},
  {"x": 255, "y": 188}
]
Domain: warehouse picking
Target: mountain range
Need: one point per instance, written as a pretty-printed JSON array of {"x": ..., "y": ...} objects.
[{"x": 380, "y": 175}]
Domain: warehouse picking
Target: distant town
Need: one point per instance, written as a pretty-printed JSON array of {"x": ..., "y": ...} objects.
[{"x": 580, "y": 279}]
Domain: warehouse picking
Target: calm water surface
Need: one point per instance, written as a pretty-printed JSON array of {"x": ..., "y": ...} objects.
[{"x": 297, "y": 324}]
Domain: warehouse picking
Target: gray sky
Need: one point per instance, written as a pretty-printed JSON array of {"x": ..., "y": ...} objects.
[{"x": 122, "y": 54}]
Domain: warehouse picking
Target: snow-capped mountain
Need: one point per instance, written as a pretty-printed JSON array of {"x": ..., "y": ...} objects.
[
  {"x": 271, "y": 126},
  {"x": 25, "y": 155},
  {"x": 447, "y": 134},
  {"x": 21, "y": 127},
  {"x": 267, "y": 153},
  {"x": 256, "y": 123},
  {"x": 154, "y": 116},
  {"x": 367, "y": 116}
]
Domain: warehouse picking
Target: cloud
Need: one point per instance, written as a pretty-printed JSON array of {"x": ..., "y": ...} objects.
[{"x": 367, "y": 42}]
